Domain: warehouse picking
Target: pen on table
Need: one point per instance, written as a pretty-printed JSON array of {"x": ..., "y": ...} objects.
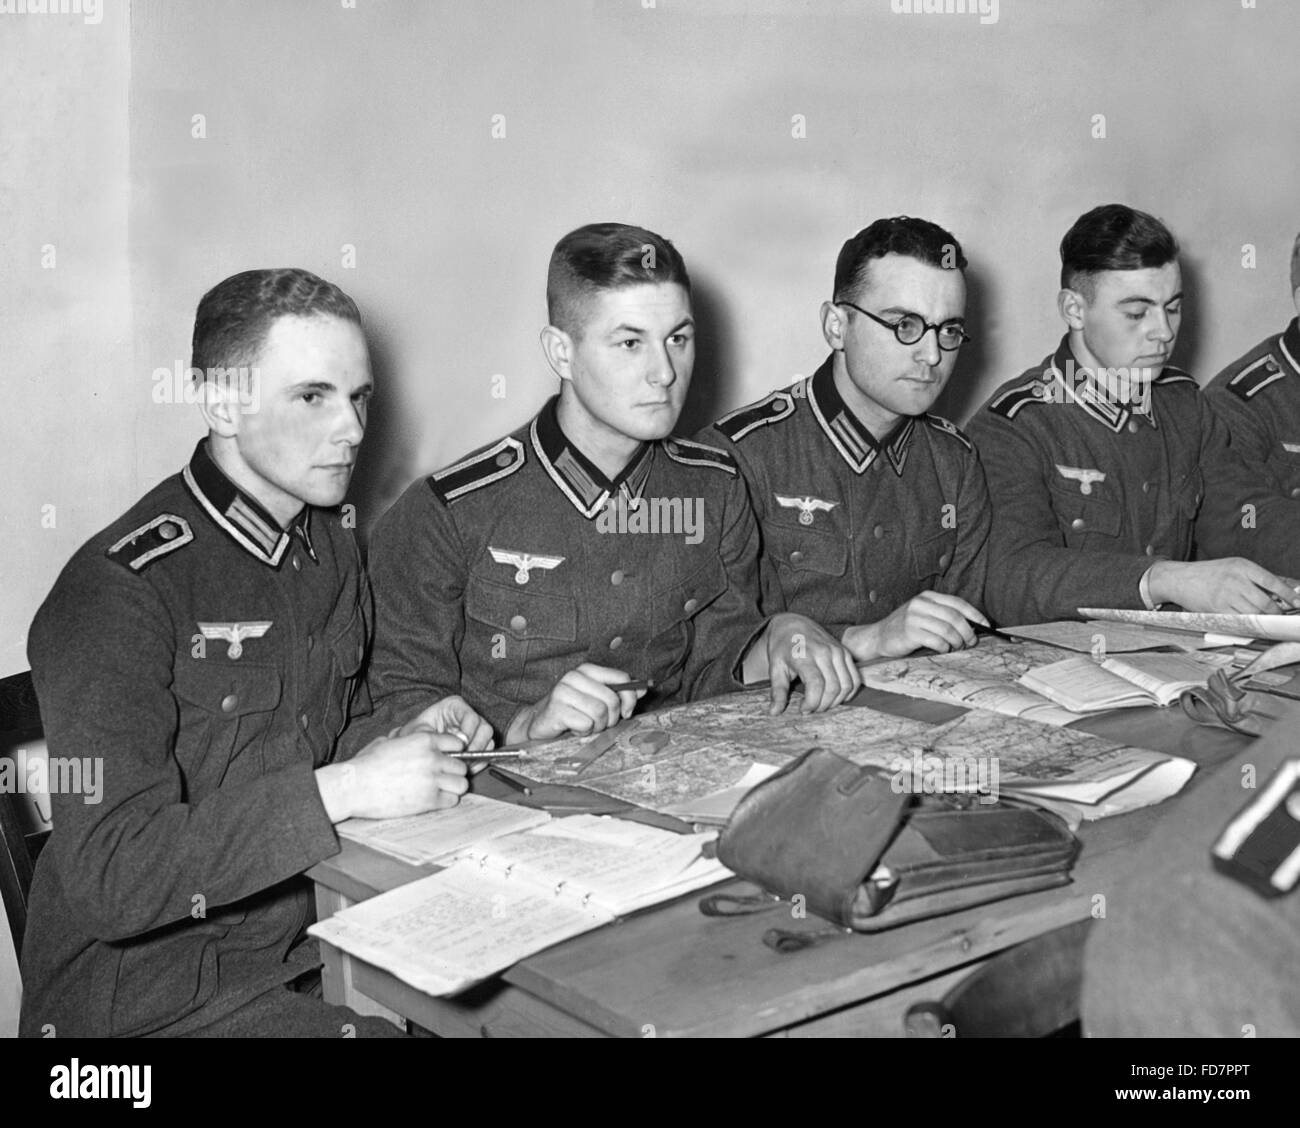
[
  {"x": 509, "y": 780},
  {"x": 633, "y": 686}
]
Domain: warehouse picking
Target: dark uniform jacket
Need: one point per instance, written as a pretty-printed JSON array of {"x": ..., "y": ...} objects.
[
  {"x": 853, "y": 528},
  {"x": 208, "y": 658},
  {"x": 1087, "y": 494},
  {"x": 1258, "y": 398},
  {"x": 497, "y": 575}
]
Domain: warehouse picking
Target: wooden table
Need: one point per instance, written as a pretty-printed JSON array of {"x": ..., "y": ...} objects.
[{"x": 672, "y": 972}]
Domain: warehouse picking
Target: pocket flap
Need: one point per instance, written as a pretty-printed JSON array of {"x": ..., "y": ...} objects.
[
  {"x": 524, "y": 614},
  {"x": 228, "y": 690},
  {"x": 807, "y": 551},
  {"x": 687, "y": 598}
]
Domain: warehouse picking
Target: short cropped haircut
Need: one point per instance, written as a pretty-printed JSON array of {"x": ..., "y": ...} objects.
[
  {"x": 1113, "y": 237},
  {"x": 234, "y": 317},
  {"x": 606, "y": 256},
  {"x": 1295, "y": 265},
  {"x": 897, "y": 235}
]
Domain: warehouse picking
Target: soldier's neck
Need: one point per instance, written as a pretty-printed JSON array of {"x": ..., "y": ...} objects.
[
  {"x": 284, "y": 507},
  {"x": 880, "y": 421},
  {"x": 610, "y": 451}
]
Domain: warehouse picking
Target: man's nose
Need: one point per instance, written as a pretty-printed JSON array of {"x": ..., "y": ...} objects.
[
  {"x": 662, "y": 373},
  {"x": 927, "y": 348}
]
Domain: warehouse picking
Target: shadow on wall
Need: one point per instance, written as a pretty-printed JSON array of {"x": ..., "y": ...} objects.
[
  {"x": 389, "y": 450},
  {"x": 1188, "y": 349},
  {"x": 715, "y": 378},
  {"x": 959, "y": 399}
]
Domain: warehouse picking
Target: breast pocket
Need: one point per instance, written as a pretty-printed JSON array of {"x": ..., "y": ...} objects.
[
  {"x": 1284, "y": 465},
  {"x": 347, "y": 652},
  {"x": 1086, "y": 521},
  {"x": 226, "y": 711},
  {"x": 796, "y": 552},
  {"x": 931, "y": 558},
  {"x": 681, "y": 601}
]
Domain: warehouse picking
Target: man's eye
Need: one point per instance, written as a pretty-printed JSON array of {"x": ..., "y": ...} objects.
[
  {"x": 681, "y": 340},
  {"x": 630, "y": 343},
  {"x": 1174, "y": 310},
  {"x": 311, "y": 397},
  {"x": 1135, "y": 316}
]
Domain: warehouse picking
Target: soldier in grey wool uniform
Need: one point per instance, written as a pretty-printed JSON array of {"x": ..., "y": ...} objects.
[
  {"x": 874, "y": 512},
  {"x": 589, "y": 547},
  {"x": 1258, "y": 398},
  {"x": 206, "y": 647},
  {"x": 1108, "y": 472}
]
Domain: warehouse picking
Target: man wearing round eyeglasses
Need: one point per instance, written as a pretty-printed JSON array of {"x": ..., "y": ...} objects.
[{"x": 874, "y": 512}]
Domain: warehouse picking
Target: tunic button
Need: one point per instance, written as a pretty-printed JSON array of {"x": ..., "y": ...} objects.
[
  {"x": 1077, "y": 523},
  {"x": 690, "y": 605},
  {"x": 504, "y": 459},
  {"x": 796, "y": 557},
  {"x": 297, "y": 564},
  {"x": 167, "y": 531},
  {"x": 943, "y": 560},
  {"x": 229, "y": 702},
  {"x": 304, "y": 722},
  {"x": 1151, "y": 550},
  {"x": 311, "y": 641},
  {"x": 616, "y": 578},
  {"x": 879, "y": 531},
  {"x": 1146, "y": 487},
  {"x": 616, "y": 642},
  {"x": 1132, "y": 426},
  {"x": 1296, "y": 492},
  {"x": 871, "y": 595},
  {"x": 518, "y": 623}
]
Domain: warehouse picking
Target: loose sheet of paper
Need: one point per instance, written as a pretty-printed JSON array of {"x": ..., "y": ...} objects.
[
  {"x": 1279, "y": 628},
  {"x": 434, "y": 836},
  {"x": 447, "y": 931}
]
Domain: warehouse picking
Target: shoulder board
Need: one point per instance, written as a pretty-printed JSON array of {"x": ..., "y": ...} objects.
[
  {"x": 939, "y": 423},
  {"x": 1255, "y": 377},
  {"x": 1012, "y": 400},
  {"x": 691, "y": 453},
  {"x": 739, "y": 423},
  {"x": 141, "y": 547},
  {"x": 480, "y": 469},
  {"x": 1174, "y": 376}
]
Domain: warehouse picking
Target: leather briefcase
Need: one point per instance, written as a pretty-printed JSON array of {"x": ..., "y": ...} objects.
[{"x": 869, "y": 856}]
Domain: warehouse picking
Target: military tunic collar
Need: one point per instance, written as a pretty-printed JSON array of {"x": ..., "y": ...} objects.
[
  {"x": 240, "y": 515},
  {"x": 1289, "y": 344},
  {"x": 848, "y": 435},
  {"x": 578, "y": 478},
  {"x": 1097, "y": 397}
]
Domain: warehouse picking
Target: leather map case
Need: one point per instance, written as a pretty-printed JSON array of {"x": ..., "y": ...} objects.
[{"x": 868, "y": 857}]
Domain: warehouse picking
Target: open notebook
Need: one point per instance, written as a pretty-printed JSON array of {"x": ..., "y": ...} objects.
[
  {"x": 507, "y": 898},
  {"x": 1086, "y": 686}
]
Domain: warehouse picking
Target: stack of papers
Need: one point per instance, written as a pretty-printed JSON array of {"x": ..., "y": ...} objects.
[{"x": 503, "y": 900}]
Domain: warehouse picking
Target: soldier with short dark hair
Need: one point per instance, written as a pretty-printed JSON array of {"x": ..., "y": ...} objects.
[
  {"x": 1258, "y": 398},
  {"x": 1108, "y": 472},
  {"x": 206, "y": 647},
  {"x": 874, "y": 511},
  {"x": 590, "y": 547}
]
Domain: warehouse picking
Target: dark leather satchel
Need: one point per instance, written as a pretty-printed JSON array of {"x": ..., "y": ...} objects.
[{"x": 869, "y": 856}]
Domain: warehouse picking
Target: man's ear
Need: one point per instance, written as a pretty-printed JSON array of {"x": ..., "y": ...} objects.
[
  {"x": 220, "y": 406},
  {"x": 834, "y": 324},
  {"x": 1295, "y": 297},
  {"x": 557, "y": 346},
  {"x": 1072, "y": 305}
]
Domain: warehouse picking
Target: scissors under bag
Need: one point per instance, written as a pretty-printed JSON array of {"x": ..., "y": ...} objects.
[{"x": 868, "y": 856}]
